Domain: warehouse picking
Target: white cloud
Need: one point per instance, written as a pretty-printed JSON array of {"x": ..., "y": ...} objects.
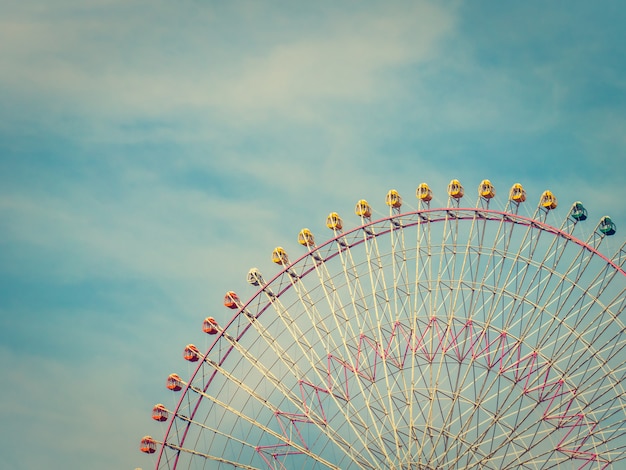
[
  {"x": 160, "y": 234},
  {"x": 342, "y": 64},
  {"x": 96, "y": 62}
]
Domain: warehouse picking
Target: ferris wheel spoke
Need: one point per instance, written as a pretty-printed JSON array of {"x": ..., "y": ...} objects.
[
  {"x": 310, "y": 352},
  {"x": 468, "y": 277},
  {"x": 212, "y": 430},
  {"x": 302, "y": 408},
  {"x": 507, "y": 405},
  {"x": 514, "y": 279},
  {"x": 282, "y": 438},
  {"x": 450, "y": 427},
  {"x": 454, "y": 278},
  {"x": 539, "y": 279},
  {"x": 352, "y": 364},
  {"x": 546, "y": 269},
  {"x": 593, "y": 371},
  {"x": 387, "y": 320},
  {"x": 213, "y": 458},
  {"x": 439, "y": 309},
  {"x": 599, "y": 330},
  {"x": 257, "y": 363},
  {"x": 366, "y": 360},
  {"x": 528, "y": 432},
  {"x": 397, "y": 351},
  {"x": 426, "y": 261}
]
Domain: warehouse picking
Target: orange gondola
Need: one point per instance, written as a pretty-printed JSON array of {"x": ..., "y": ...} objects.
[
  {"x": 191, "y": 353},
  {"x": 174, "y": 382},
  {"x": 209, "y": 326},
  {"x": 159, "y": 413},
  {"x": 231, "y": 300},
  {"x": 148, "y": 445}
]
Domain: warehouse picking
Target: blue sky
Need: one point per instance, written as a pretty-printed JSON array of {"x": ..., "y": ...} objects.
[{"x": 151, "y": 152}]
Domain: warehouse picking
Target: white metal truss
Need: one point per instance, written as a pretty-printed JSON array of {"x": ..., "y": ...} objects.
[{"x": 455, "y": 337}]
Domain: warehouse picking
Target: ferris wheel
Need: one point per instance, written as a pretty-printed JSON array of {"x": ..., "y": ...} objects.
[{"x": 438, "y": 338}]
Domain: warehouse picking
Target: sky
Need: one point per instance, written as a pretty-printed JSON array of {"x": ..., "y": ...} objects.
[{"x": 151, "y": 152}]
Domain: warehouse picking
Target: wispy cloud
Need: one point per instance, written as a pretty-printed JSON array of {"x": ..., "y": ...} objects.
[{"x": 161, "y": 59}]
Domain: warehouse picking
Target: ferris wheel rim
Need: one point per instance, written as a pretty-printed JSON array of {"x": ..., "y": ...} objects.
[
  {"x": 459, "y": 213},
  {"x": 506, "y": 217}
]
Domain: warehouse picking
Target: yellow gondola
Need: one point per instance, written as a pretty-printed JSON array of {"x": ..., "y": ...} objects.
[
  {"x": 363, "y": 209},
  {"x": 393, "y": 199},
  {"x": 548, "y": 200},
  {"x": 486, "y": 189},
  {"x": 334, "y": 222},
  {"x": 517, "y": 193},
  {"x": 423, "y": 192},
  {"x": 279, "y": 256},
  {"x": 305, "y": 237},
  {"x": 455, "y": 189}
]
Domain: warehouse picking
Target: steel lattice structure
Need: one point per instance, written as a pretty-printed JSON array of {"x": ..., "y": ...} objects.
[{"x": 454, "y": 337}]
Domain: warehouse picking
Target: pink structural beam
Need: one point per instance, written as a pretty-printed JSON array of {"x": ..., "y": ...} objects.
[{"x": 496, "y": 351}]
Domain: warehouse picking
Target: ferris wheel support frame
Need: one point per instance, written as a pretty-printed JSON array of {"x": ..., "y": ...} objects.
[{"x": 493, "y": 350}]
